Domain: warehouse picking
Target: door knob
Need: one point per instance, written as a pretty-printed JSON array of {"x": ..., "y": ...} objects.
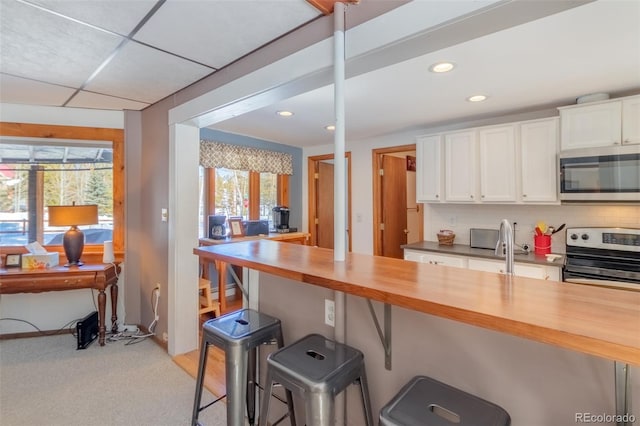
[{"x": 406, "y": 231}]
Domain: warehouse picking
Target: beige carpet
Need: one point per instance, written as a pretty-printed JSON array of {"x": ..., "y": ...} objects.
[{"x": 46, "y": 381}]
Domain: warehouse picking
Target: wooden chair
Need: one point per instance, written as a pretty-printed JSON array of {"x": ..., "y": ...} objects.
[{"x": 206, "y": 303}]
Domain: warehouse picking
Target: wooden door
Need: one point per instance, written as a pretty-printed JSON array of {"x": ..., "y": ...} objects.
[
  {"x": 394, "y": 206},
  {"x": 324, "y": 203}
]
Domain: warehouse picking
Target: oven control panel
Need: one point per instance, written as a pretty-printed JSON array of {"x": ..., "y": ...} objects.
[{"x": 626, "y": 239}]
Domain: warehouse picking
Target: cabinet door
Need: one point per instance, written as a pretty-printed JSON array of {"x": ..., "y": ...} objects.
[
  {"x": 413, "y": 255},
  {"x": 591, "y": 125},
  {"x": 460, "y": 166},
  {"x": 497, "y": 164},
  {"x": 538, "y": 160},
  {"x": 444, "y": 260},
  {"x": 429, "y": 169},
  {"x": 631, "y": 120}
]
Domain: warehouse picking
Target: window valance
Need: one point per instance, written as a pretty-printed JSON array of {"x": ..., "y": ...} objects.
[{"x": 217, "y": 154}]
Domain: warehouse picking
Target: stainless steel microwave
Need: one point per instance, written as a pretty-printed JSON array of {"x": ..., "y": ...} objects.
[{"x": 600, "y": 174}]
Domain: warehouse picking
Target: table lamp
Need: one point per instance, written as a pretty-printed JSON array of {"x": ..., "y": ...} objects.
[{"x": 73, "y": 240}]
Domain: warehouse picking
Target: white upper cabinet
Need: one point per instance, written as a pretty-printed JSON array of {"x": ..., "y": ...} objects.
[
  {"x": 429, "y": 169},
  {"x": 460, "y": 166},
  {"x": 604, "y": 123},
  {"x": 631, "y": 120},
  {"x": 538, "y": 162},
  {"x": 497, "y": 164}
]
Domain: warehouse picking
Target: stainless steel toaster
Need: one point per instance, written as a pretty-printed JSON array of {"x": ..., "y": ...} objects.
[{"x": 483, "y": 238}]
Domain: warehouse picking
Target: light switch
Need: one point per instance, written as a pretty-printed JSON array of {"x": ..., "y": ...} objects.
[{"x": 165, "y": 215}]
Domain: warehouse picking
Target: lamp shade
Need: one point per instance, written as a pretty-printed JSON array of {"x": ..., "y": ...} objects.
[{"x": 73, "y": 215}]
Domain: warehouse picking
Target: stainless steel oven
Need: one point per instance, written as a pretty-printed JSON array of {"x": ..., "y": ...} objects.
[
  {"x": 600, "y": 174},
  {"x": 607, "y": 257}
]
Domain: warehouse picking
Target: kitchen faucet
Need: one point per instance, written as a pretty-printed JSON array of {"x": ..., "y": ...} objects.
[{"x": 505, "y": 245}]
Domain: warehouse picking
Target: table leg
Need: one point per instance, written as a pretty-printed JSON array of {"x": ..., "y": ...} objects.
[
  {"x": 102, "y": 305},
  {"x": 114, "y": 307},
  {"x": 221, "y": 268}
]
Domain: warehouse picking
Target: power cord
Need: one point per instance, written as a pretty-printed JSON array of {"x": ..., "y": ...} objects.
[
  {"x": 70, "y": 326},
  {"x": 132, "y": 339}
]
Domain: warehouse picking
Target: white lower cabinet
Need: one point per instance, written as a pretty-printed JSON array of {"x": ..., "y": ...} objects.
[
  {"x": 541, "y": 272},
  {"x": 435, "y": 259}
]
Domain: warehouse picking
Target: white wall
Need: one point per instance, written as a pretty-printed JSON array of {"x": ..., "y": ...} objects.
[
  {"x": 461, "y": 217},
  {"x": 53, "y": 310},
  {"x": 538, "y": 384}
]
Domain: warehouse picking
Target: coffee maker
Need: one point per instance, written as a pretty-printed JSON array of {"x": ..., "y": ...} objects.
[
  {"x": 217, "y": 228},
  {"x": 281, "y": 219}
]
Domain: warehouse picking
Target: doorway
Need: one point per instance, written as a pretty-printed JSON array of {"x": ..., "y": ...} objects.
[
  {"x": 397, "y": 218},
  {"x": 320, "y": 190}
]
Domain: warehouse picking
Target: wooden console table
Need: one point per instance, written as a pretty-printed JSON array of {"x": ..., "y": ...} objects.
[
  {"x": 60, "y": 278},
  {"x": 221, "y": 267}
]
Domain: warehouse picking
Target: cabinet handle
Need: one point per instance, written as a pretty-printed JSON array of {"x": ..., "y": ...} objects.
[
  {"x": 626, "y": 141},
  {"x": 616, "y": 143},
  {"x": 524, "y": 195},
  {"x": 471, "y": 196},
  {"x": 480, "y": 196},
  {"x": 437, "y": 196}
]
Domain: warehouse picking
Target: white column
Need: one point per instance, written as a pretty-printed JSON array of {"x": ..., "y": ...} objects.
[
  {"x": 182, "y": 291},
  {"x": 340, "y": 206}
]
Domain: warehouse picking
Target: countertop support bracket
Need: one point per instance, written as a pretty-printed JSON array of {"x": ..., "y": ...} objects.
[
  {"x": 237, "y": 281},
  {"x": 623, "y": 393},
  {"x": 385, "y": 337}
]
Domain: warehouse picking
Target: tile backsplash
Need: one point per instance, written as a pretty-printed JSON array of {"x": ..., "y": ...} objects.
[{"x": 462, "y": 217}]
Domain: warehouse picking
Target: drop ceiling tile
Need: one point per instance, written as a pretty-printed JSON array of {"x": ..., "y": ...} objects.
[
  {"x": 120, "y": 16},
  {"x": 97, "y": 101},
  {"x": 38, "y": 45},
  {"x": 16, "y": 90},
  {"x": 218, "y": 32},
  {"x": 146, "y": 75}
]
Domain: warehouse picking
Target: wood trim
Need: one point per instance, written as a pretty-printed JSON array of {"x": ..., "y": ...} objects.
[
  {"x": 116, "y": 136},
  {"x": 312, "y": 169},
  {"x": 376, "y": 162},
  {"x": 254, "y": 195},
  {"x": 283, "y": 190}
]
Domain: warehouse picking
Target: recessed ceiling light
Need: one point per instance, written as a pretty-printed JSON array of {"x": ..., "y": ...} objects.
[
  {"x": 284, "y": 113},
  {"x": 330, "y": 127},
  {"x": 442, "y": 67},
  {"x": 476, "y": 98}
]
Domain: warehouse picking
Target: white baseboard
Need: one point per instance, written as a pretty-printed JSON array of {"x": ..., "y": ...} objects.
[{"x": 230, "y": 290}]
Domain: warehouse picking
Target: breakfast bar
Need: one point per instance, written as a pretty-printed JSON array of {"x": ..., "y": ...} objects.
[{"x": 602, "y": 323}]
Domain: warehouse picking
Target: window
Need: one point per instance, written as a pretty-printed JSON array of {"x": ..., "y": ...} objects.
[
  {"x": 43, "y": 165},
  {"x": 240, "y": 193},
  {"x": 34, "y": 176}
]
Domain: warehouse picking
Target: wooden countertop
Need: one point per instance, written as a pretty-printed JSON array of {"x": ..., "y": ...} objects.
[
  {"x": 276, "y": 236},
  {"x": 593, "y": 320}
]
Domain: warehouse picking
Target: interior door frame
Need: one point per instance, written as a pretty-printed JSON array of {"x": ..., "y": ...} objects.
[
  {"x": 376, "y": 163},
  {"x": 312, "y": 167}
]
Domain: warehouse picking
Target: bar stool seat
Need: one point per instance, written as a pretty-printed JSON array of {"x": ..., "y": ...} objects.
[
  {"x": 238, "y": 333},
  {"x": 317, "y": 369},
  {"x": 427, "y": 402}
]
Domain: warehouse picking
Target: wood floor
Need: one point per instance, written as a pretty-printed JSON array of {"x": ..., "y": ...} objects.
[{"x": 214, "y": 379}]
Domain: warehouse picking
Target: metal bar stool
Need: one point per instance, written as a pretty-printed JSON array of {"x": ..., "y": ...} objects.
[
  {"x": 317, "y": 369},
  {"x": 238, "y": 334},
  {"x": 427, "y": 402}
]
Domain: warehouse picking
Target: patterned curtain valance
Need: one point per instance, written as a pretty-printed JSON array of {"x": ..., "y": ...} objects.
[{"x": 216, "y": 154}]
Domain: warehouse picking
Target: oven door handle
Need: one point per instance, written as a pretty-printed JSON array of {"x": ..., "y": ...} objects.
[{"x": 604, "y": 283}]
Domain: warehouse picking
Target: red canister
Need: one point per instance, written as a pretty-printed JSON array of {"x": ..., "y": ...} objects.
[{"x": 542, "y": 244}]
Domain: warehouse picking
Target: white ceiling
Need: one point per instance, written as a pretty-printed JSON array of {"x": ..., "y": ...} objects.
[
  {"x": 128, "y": 54},
  {"x": 117, "y": 54},
  {"x": 545, "y": 63}
]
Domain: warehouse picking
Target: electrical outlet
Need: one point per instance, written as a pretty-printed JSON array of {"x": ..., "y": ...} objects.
[
  {"x": 329, "y": 312},
  {"x": 165, "y": 337},
  {"x": 130, "y": 328}
]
